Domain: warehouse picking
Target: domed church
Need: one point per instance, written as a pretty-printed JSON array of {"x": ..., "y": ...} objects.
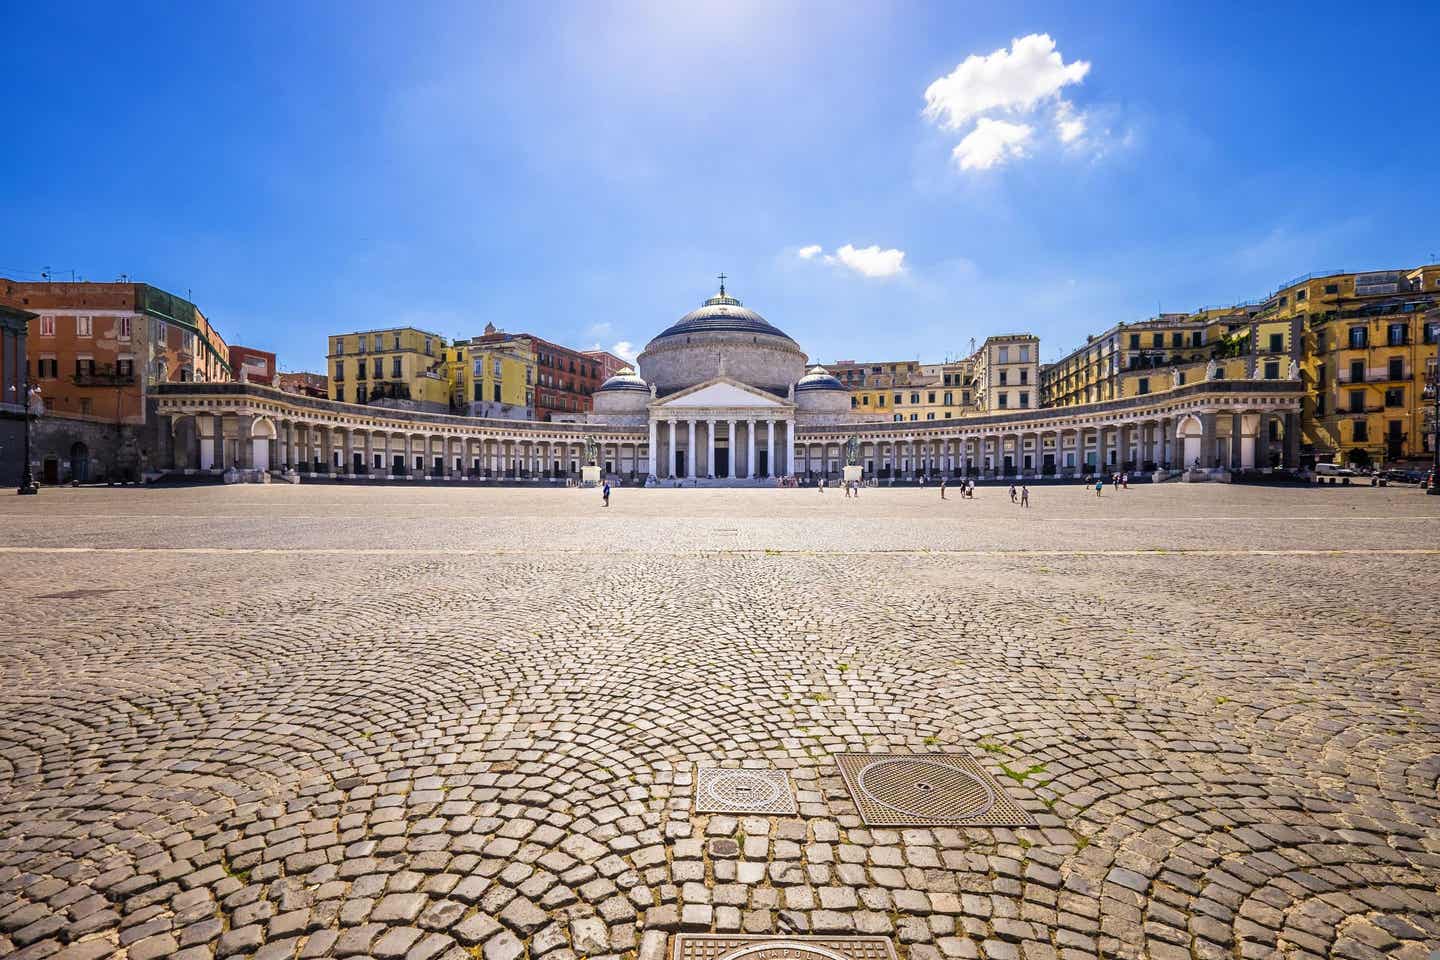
[{"x": 723, "y": 392}]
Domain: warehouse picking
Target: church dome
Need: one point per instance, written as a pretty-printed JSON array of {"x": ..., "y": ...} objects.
[
  {"x": 722, "y": 339},
  {"x": 818, "y": 378},
  {"x": 721, "y": 314},
  {"x": 625, "y": 379}
]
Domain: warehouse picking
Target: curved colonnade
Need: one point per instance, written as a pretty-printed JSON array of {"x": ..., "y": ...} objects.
[{"x": 1214, "y": 425}]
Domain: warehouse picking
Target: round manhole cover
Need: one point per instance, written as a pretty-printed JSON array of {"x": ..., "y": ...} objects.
[
  {"x": 917, "y": 787},
  {"x": 742, "y": 789}
]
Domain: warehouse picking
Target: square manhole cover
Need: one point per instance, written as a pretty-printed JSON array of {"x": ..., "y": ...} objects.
[
  {"x": 927, "y": 789},
  {"x": 715, "y": 946},
  {"x": 719, "y": 790}
]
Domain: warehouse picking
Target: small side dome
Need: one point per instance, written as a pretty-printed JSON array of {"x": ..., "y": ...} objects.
[
  {"x": 625, "y": 379},
  {"x": 818, "y": 378}
]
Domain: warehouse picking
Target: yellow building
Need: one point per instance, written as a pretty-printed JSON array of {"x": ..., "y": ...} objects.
[
  {"x": 490, "y": 378},
  {"x": 1369, "y": 340},
  {"x": 398, "y": 364}
]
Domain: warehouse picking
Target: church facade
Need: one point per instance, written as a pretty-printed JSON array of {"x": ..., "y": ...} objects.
[{"x": 724, "y": 396}]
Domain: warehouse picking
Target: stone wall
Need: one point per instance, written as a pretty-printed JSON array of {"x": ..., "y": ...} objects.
[
  {"x": 92, "y": 451},
  {"x": 770, "y": 363}
]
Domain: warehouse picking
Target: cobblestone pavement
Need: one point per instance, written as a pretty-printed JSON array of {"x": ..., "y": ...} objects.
[{"x": 425, "y": 723}]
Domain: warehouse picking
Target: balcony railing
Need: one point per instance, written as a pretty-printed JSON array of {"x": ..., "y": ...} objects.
[{"x": 102, "y": 378}]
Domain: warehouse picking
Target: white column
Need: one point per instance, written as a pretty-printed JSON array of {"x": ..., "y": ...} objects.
[
  {"x": 770, "y": 447},
  {"x": 654, "y": 442},
  {"x": 734, "y": 451},
  {"x": 710, "y": 444},
  {"x": 670, "y": 451},
  {"x": 690, "y": 451},
  {"x": 750, "y": 462}
]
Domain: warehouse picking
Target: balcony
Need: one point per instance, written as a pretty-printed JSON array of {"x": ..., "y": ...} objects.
[{"x": 104, "y": 378}]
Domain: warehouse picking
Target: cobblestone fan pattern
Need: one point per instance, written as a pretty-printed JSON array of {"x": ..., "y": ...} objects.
[{"x": 280, "y": 753}]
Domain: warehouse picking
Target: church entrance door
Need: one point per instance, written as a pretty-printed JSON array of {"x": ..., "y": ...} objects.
[
  {"x": 762, "y": 463},
  {"x": 722, "y": 462},
  {"x": 679, "y": 464}
]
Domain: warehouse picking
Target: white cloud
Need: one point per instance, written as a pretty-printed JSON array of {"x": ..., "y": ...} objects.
[
  {"x": 1016, "y": 80},
  {"x": 1069, "y": 125},
  {"x": 991, "y": 143},
  {"x": 808, "y": 253},
  {"x": 626, "y": 351},
  {"x": 598, "y": 329},
  {"x": 869, "y": 261}
]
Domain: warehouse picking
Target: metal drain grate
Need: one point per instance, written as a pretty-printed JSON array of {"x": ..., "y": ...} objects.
[
  {"x": 719, "y": 946},
  {"x": 927, "y": 789},
  {"x": 719, "y": 790}
]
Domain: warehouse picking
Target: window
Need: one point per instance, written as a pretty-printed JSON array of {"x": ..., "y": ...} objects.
[
  {"x": 339, "y": 346},
  {"x": 929, "y": 416},
  {"x": 1024, "y": 398},
  {"x": 1134, "y": 341},
  {"x": 360, "y": 343},
  {"x": 395, "y": 367},
  {"x": 1398, "y": 334},
  {"x": 899, "y": 399},
  {"x": 1197, "y": 338},
  {"x": 85, "y": 406},
  {"x": 339, "y": 370},
  {"x": 1432, "y": 332},
  {"x": 1157, "y": 341},
  {"x": 930, "y": 397},
  {"x": 1397, "y": 368},
  {"x": 1144, "y": 387},
  {"x": 379, "y": 343},
  {"x": 340, "y": 393},
  {"x": 879, "y": 399},
  {"x": 82, "y": 326},
  {"x": 497, "y": 369},
  {"x": 949, "y": 398},
  {"x": 947, "y": 414},
  {"x": 899, "y": 417},
  {"x": 124, "y": 328},
  {"x": 84, "y": 365},
  {"x": 965, "y": 398},
  {"x": 1024, "y": 354},
  {"x": 1301, "y": 295},
  {"x": 1357, "y": 401},
  {"x": 427, "y": 346},
  {"x": 125, "y": 366},
  {"x": 1272, "y": 370},
  {"x": 47, "y": 367},
  {"x": 1024, "y": 377},
  {"x": 1277, "y": 343},
  {"x": 496, "y": 393},
  {"x": 47, "y": 326},
  {"x": 1358, "y": 338},
  {"x": 360, "y": 372},
  {"x": 1004, "y": 355},
  {"x": 1395, "y": 397},
  {"x": 1004, "y": 400},
  {"x": 1357, "y": 371},
  {"x": 914, "y": 416},
  {"x": 1359, "y": 431},
  {"x": 1332, "y": 288},
  {"x": 1004, "y": 378},
  {"x": 397, "y": 341}
]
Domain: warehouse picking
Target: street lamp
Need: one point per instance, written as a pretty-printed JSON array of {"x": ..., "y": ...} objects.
[
  {"x": 32, "y": 407},
  {"x": 1432, "y": 393}
]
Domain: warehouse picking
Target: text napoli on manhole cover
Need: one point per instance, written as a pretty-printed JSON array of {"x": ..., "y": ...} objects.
[
  {"x": 927, "y": 789},
  {"x": 720, "y": 946},
  {"x": 767, "y": 791}
]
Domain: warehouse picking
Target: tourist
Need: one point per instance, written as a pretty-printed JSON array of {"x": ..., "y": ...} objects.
[
  {"x": 847, "y": 490},
  {"x": 1013, "y": 498},
  {"x": 942, "y": 489},
  {"x": 1024, "y": 496},
  {"x": 1099, "y": 483},
  {"x": 605, "y": 492},
  {"x": 1125, "y": 481}
]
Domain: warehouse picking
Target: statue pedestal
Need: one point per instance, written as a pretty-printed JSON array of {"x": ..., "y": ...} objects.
[
  {"x": 589, "y": 476},
  {"x": 854, "y": 473}
]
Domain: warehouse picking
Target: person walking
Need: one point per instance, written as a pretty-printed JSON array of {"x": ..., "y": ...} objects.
[
  {"x": 1099, "y": 483},
  {"x": 1024, "y": 496},
  {"x": 942, "y": 489},
  {"x": 1012, "y": 494},
  {"x": 1125, "y": 481},
  {"x": 605, "y": 493}
]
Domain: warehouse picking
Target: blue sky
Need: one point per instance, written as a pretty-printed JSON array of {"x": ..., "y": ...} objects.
[{"x": 583, "y": 171}]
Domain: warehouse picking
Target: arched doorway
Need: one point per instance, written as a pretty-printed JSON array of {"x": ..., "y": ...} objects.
[
  {"x": 50, "y": 471},
  {"x": 261, "y": 433},
  {"x": 79, "y": 462},
  {"x": 1190, "y": 433}
]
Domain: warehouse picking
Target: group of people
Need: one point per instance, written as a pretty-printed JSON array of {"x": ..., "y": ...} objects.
[{"x": 1120, "y": 481}]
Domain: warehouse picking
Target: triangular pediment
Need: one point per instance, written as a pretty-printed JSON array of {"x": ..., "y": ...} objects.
[{"x": 720, "y": 392}]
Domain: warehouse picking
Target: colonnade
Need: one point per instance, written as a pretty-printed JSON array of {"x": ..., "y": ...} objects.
[{"x": 720, "y": 447}]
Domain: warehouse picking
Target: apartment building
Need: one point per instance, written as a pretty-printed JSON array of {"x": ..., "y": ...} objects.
[
  {"x": 399, "y": 366},
  {"x": 1006, "y": 373}
]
